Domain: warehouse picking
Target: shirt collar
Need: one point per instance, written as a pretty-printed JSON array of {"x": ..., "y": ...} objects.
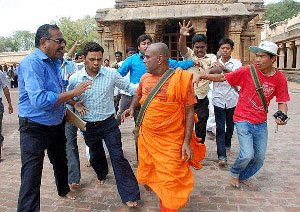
[
  {"x": 41, "y": 54},
  {"x": 229, "y": 61},
  {"x": 101, "y": 71},
  {"x": 205, "y": 56},
  {"x": 141, "y": 55}
]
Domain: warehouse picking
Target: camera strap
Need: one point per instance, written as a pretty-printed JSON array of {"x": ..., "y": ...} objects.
[{"x": 258, "y": 87}]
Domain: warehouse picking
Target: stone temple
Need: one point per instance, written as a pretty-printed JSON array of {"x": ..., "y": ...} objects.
[{"x": 240, "y": 20}]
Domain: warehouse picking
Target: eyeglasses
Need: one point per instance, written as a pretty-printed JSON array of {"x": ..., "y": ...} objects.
[{"x": 58, "y": 40}]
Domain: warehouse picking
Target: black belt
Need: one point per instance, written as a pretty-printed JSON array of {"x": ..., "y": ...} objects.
[{"x": 95, "y": 123}]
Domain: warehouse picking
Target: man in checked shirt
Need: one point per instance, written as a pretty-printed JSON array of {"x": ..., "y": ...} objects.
[{"x": 97, "y": 108}]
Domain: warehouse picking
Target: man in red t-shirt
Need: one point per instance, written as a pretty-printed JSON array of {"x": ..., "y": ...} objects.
[{"x": 250, "y": 117}]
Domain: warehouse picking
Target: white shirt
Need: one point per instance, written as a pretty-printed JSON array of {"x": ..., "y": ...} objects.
[{"x": 224, "y": 96}]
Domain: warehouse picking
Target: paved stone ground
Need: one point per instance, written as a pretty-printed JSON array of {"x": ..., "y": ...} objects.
[{"x": 276, "y": 186}]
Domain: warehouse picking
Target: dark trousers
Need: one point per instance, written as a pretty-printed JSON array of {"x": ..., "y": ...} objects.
[
  {"x": 34, "y": 140},
  {"x": 224, "y": 118},
  {"x": 109, "y": 131},
  {"x": 1, "y": 118},
  {"x": 201, "y": 109}
]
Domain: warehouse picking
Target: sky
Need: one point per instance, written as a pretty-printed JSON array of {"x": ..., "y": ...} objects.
[{"x": 30, "y": 14}]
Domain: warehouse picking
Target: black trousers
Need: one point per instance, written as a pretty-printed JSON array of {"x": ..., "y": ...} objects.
[
  {"x": 224, "y": 128},
  {"x": 108, "y": 130},
  {"x": 35, "y": 138},
  {"x": 201, "y": 109}
]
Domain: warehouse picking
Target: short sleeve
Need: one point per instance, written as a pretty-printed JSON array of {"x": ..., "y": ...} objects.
[
  {"x": 236, "y": 78},
  {"x": 281, "y": 93},
  {"x": 188, "y": 55}
]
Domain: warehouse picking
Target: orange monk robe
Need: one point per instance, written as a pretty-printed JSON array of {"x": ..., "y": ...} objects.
[{"x": 161, "y": 136}]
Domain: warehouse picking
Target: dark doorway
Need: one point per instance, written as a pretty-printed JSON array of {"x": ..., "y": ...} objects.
[
  {"x": 215, "y": 32},
  {"x": 132, "y": 31},
  {"x": 171, "y": 35}
]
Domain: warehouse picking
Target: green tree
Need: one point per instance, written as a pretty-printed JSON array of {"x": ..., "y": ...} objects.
[
  {"x": 282, "y": 10},
  {"x": 7, "y": 44},
  {"x": 84, "y": 29},
  {"x": 24, "y": 40}
]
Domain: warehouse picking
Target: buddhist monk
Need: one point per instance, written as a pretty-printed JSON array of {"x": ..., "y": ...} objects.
[{"x": 166, "y": 136}]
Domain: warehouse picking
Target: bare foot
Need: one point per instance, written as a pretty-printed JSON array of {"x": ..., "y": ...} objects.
[
  {"x": 75, "y": 185},
  {"x": 228, "y": 152},
  {"x": 131, "y": 204},
  {"x": 101, "y": 182},
  {"x": 247, "y": 183},
  {"x": 235, "y": 182},
  {"x": 71, "y": 195}
]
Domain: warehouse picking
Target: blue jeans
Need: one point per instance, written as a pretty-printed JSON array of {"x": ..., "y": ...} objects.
[
  {"x": 72, "y": 154},
  {"x": 109, "y": 131},
  {"x": 223, "y": 117},
  {"x": 253, "y": 139}
]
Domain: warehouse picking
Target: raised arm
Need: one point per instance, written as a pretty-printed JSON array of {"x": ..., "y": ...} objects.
[
  {"x": 184, "y": 31},
  {"x": 73, "y": 49}
]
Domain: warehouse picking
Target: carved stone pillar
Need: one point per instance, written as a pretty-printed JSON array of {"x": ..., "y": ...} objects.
[
  {"x": 235, "y": 30},
  {"x": 281, "y": 55},
  {"x": 297, "y": 44},
  {"x": 151, "y": 28},
  {"x": 199, "y": 25},
  {"x": 117, "y": 30},
  {"x": 290, "y": 54}
]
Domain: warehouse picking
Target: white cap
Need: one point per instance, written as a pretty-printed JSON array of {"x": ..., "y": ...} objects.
[{"x": 265, "y": 46}]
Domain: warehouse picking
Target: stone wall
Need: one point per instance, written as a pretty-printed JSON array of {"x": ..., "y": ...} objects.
[{"x": 12, "y": 57}]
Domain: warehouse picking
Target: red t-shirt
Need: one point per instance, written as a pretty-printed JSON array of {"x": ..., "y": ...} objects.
[{"x": 249, "y": 107}]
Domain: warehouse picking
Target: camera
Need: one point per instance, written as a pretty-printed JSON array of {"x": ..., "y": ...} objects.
[{"x": 281, "y": 115}]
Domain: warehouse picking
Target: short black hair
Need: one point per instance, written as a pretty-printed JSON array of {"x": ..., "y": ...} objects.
[
  {"x": 78, "y": 55},
  {"x": 143, "y": 38},
  {"x": 106, "y": 60},
  {"x": 43, "y": 32},
  {"x": 199, "y": 38},
  {"x": 226, "y": 41},
  {"x": 92, "y": 47},
  {"x": 130, "y": 49},
  {"x": 118, "y": 52}
]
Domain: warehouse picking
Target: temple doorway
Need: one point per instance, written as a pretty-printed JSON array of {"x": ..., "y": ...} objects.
[
  {"x": 216, "y": 29},
  {"x": 171, "y": 33}
]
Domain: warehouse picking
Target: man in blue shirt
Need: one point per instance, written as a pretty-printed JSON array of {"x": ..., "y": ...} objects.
[
  {"x": 137, "y": 68},
  {"x": 41, "y": 117},
  {"x": 96, "y": 107}
]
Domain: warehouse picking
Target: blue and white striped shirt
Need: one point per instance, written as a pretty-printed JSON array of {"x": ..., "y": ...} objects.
[{"x": 100, "y": 98}]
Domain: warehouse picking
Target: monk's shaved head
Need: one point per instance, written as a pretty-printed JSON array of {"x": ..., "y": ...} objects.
[
  {"x": 157, "y": 58},
  {"x": 160, "y": 49}
]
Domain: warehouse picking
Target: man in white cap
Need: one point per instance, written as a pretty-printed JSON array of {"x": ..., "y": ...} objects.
[{"x": 250, "y": 115}]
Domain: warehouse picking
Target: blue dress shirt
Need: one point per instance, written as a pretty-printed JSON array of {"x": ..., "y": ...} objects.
[
  {"x": 66, "y": 68},
  {"x": 39, "y": 85},
  {"x": 137, "y": 67},
  {"x": 100, "y": 98}
]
